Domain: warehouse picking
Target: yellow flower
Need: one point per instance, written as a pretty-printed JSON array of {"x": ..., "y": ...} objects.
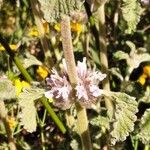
[
  {"x": 76, "y": 27},
  {"x": 42, "y": 72},
  {"x": 33, "y": 32},
  {"x": 57, "y": 27},
  {"x": 20, "y": 85},
  {"x": 12, "y": 46},
  {"x": 146, "y": 70},
  {"x": 142, "y": 79},
  {"x": 12, "y": 122}
]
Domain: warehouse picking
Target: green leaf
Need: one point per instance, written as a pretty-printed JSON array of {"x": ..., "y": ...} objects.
[
  {"x": 100, "y": 122},
  {"x": 124, "y": 115},
  {"x": 145, "y": 98},
  {"x": 144, "y": 134},
  {"x": 28, "y": 110},
  {"x": 115, "y": 71},
  {"x": 125, "y": 109},
  {"x": 131, "y": 12},
  {"x": 7, "y": 90},
  {"x": 119, "y": 55},
  {"x": 54, "y": 9},
  {"x": 30, "y": 61}
]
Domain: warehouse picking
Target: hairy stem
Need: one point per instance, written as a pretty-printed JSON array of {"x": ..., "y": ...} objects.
[
  {"x": 103, "y": 55},
  {"x": 71, "y": 68},
  {"x": 4, "y": 118},
  {"x": 39, "y": 24},
  {"x": 26, "y": 75}
]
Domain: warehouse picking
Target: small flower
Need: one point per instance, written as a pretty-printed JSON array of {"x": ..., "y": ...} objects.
[
  {"x": 76, "y": 27},
  {"x": 42, "y": 72},
  {"x": 87, "y": 90},
  {"x": 33, "y": 32},
  {"x": 12, "y": 46},
  {"x": 20, "y": 85},
  {"x": 146, "y": 70},
  {"x": 142, "y": 79},
  {"x": 145, "y": 76},
  {"x": 12, "y": 122},
  {"x": 57, "y": 27}
]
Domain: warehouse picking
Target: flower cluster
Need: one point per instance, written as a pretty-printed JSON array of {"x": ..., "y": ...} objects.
[{"x": 86, "y": 90}]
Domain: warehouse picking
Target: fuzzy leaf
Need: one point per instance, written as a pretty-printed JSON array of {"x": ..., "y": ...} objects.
[
  {"x": 131, "y": 12},
  {"x": 28, "y": 112},
  {"x": 144, "y": 134},
  {"x": 7, "y": 90},
  {"x": 125, "y": 110},
  {"x": 119, "y": 55},
  {"x": 54, "y": 9},
  {"x": 145, "y": 98},
  {"x": 31, "y": 60},
  {"x": 115, "y": 71},
  {"x": 100, "y": 121}
]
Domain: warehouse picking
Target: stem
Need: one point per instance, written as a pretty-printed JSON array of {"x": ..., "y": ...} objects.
[
  {"x": 4, "y": 117},
  {"x": 53, "y": 114},
  {"x": 29, "y": 79},
  {"x": 103, "y": 56},
  {"x": 73, "y": 77},
  {"x": 42, "y": 122},
  {"x": 39, "y": 24},
  {"x": 136, "y": 144}
]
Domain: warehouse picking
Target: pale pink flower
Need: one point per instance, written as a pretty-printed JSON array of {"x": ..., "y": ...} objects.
[
  {"x": 146, "y": 2},
  {"x": 61, "y": 90},
  {"x": 87, "y": 90}
]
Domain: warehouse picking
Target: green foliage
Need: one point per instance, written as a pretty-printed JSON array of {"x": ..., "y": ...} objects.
[
  {"x": 30, "y": 60},
  {"x": 124, "y": 116},
  {"x": 7, "y": 90},
  {"x": 131, "y": 12},
  {"x": 54, "y": 9},
  {"x": 28, "y": 112},
  {"x": 144, "y": 134},
  {"x": 125, "y": 109},
  {"x": 134, "y": 58},
  {"x": 100, "y": 121}
]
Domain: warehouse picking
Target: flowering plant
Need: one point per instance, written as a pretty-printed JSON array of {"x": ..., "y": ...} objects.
[{"x": 86, "y": 90}]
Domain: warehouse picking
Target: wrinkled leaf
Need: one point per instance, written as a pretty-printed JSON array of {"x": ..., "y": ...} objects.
[
  {"x": 28, "y": 110},
  {"x": 54, "y": 9},
  {"x": 125, "y": 109},
  {"x": 131, "y": 13},
  {"x": 124, "y": 113},
  {"x": 144, "y": 134},
  {"x": 100, "y": 121},
  {"x": 7, "y": 90}
]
